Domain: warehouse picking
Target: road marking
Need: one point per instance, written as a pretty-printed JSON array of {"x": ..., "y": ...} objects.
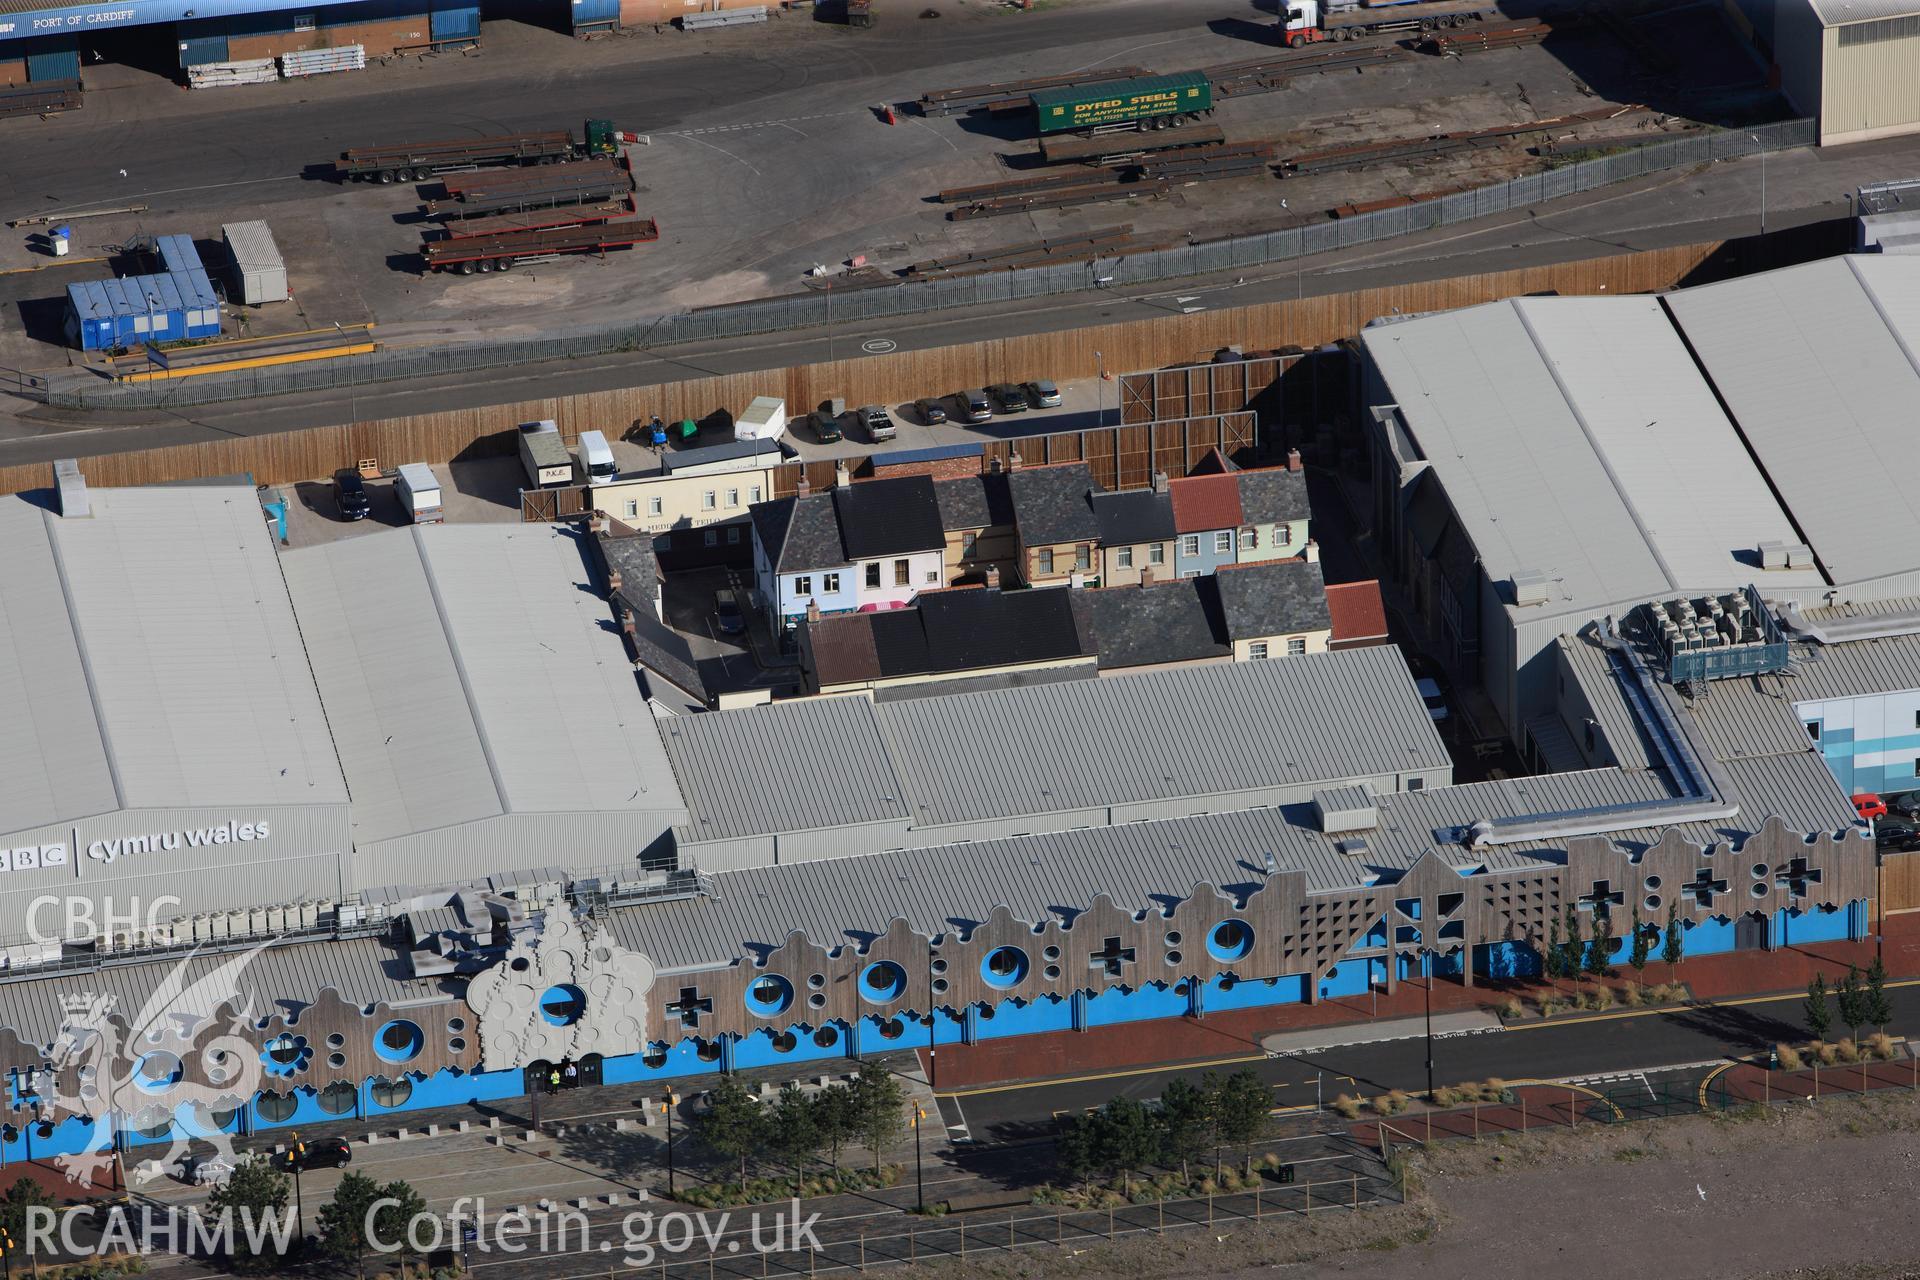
[
  {"x": 1711, "y": 1076},
  {"x": 722, "y": 150},
  {"x": 879, "y": 346},
  {"x": 1161, "y": 1069},
  {"x": 57, "y": 262},
  {"x": 759, "y": 124}
]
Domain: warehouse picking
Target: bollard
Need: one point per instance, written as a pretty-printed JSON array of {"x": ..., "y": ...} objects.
[
  {"x": 1161, "y": 1206},
  {"x": 863, "y": 1256},
  {"x": 1308, "y": 1211},
  {"x": 1356, "y": 1191},
  {"x": 1573, "y": 1112},
  {"x": 1256, "y": 1202},
  {"x": 1523, "y": 1113},
  {"x": 963, "y": 1237}
]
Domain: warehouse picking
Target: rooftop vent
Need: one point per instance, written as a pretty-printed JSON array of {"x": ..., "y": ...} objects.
[
  {"x": 70, "y": 487},
  {"x": 1785, "y": 555},
  {"x": 1532, "y": 586},
  {"x": 1344, "y": 809},
  {"x": 1715, "y": 637}
]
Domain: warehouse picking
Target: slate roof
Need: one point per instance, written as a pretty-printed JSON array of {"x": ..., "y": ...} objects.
[
  {"x": 1135, "y": 516},
  {"x": 1274, "y": 598},
  {"x": 951, "y": 631},
  {"x": 1201, "y": 503},
  {"x": 656, "y": 646},
  {"x": 843, "y": 647},
  {"x": 800, "y": 533},
  {"x": 973, "y": 502},
  {"x": 1357, "y": 611},
  {"x": 888, "y": 517},
  {"x": 1051, "y": 504},
  {"x": 1273, "y": 495},
  {"x": 1175, "y": 621}
]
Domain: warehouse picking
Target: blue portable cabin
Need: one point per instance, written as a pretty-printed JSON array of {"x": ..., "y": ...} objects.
[
  {"x": 169, "y": 307},
  {"x": 177, "y": 253}
]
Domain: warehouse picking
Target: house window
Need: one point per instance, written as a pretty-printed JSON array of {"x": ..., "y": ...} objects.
[
  {"x": 1043, "y": 561},
  {"x": 1189, "y": 573},
  {"x": 1125, "y": 560},
  {"x": 1282, "y": 535},
  {"x": 1157, "y": 553},
  {"x": 1249, "y": 539},
  {"x": 933, "y": 576},
  {"x": 1813, "y": 730},
  {"x": 1296, "y": 645},
  {"x": 303, "y": 22},
  {"x": 713, "y": 538},
  {"x": 1257, "y": 650},
  {"x": 1190, "y": 545},
  {"x": 830, "y": 583},
  {"x": 753, "y": 494},
  {"x": 1416, "y": 784},
  {"x": 1223, "y": 542},
  {"x": 873, "y": 576},
  {"x": 902, "y": 574},
  {"x": 1083, "y": 557},
  {"x": 733, "y": 534},
  {"x": 632, "y": 509},
  {"x": 654, "y": 506},
  {"x": 733, "y": 497},
  {"x": 803, "y": 585},
  {"x": 707, "y": 501},
  {"x": 968, "y": 541}
]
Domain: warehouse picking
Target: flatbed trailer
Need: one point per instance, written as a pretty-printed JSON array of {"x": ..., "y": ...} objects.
[
  {"x": 471, "y": 186},
  {"x": 578, "y": 215},
  {"x": 501, "y": 252},
  {"x": 39, "y": 98},
  {"x": 1110, "y": 146},
  {"x": 414, "y": 161}
]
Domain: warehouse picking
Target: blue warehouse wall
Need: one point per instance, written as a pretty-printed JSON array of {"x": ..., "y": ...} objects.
[{"x": 1870, "y": 743}]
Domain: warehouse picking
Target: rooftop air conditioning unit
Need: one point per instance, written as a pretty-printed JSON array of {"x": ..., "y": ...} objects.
[{"x": 1532, "y": 587}]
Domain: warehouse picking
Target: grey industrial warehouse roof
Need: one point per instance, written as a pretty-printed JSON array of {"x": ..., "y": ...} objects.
[
  {"x": 1144, "y": 864},
  {"x": 1576, "y": 437},
  {"x": 823, "y": 763},
  {"x": 1834, "y": 13},
  {"x": 149, "y": 659},
  {"x": 1817, "y": 364},
  {"x": 468, "y": 674}
]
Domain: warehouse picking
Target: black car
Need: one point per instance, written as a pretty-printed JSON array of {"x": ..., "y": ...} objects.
[
  {"x": 322, "y": 1153},
  {"x": 1905, "y": 804},
  {"x": 931, "y": 411},
  {"x": 726, "y": 611},
  {"x": 350, "y": 495},
  {"x": 1012, "y": 398},
  {"x": 1892, "y": 833}
]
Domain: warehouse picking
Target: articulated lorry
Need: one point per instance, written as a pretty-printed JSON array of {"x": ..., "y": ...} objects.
[
  {"x": 1303, "y": 22},
  {"x": 1145, "y": 102},
  {"x": 414, "y": 161}
]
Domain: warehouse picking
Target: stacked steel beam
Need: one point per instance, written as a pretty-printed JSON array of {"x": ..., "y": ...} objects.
[{"x": 1014, "y": 94}]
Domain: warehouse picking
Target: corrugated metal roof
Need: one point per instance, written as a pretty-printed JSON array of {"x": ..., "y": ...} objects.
[
  {"x": 469, "y": 674},
  {"x": 1575, "y": 436},
  {"x": 1833, "y": 13},
  {"x": 806, "y": 765},
  {"x": 1192, "y": 732},
  {"x": 1817, "y": 364},
  {"x": 251, "y": 244},
  {"x": 165, "y": 665}
]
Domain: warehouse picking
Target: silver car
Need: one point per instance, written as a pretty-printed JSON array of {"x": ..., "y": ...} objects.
[{"x": 1043, "y": 394}]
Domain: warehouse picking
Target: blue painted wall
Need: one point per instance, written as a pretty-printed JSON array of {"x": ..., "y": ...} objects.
[
  {"x": 1154, "y": 1000},
  {"x": 1710, "y": 937},
  {"x": 1224, "y": 993},
  {"x": 1506, "y": 960}
]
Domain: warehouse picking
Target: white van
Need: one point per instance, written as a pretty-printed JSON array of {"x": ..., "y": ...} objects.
[
  {"x": 596, "y": 460},
  {"x": 419, "y": 493}
]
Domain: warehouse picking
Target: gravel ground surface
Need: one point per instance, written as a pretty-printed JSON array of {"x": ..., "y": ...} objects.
[{"x": 1800, "y": 1193}]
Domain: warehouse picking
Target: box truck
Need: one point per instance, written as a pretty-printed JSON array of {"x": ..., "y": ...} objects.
[
  {"x": 544, "y": 455},
  {"x": 419, "y": 493}
]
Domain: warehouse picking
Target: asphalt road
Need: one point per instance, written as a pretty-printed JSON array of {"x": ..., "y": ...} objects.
[{"x": 1623, "y": 1042}]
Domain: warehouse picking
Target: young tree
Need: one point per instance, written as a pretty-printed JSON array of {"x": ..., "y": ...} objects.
[
  {"x": 1879, "y": 1008},
  {"x": 793, "y": 1132},
  {"x": 255, "y": 1192},
  {"x": 1126, "y": 1138},
  {"x": 1186, "y": 1124},
  {"x": 1819, "y": 1015},
  {"x": 1600, "y": 953},
  {"x": 734, "y": 1125},
  {"x": 343, "y": 1220},
  {"x": 1853, "y": 1001},
  {"x": 1674, "y": 941},
  {"x": 1239, "y": 1105},
  {"x": 16, "y": 1207},
  {"x": 879, "y": 1109},
  {"x": 1573, "y": 956},
  {"x": 1078, "y": 1147},
  {"x": 833, "y": 1113},
  {"x": 1553, "y": 960},
  {"x": 396, "y": 1218},
  {"x": 1641, "y": 947}
]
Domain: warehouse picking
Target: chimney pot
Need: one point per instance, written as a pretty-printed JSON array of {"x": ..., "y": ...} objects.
[
  {"x": 1293, "y": 459},
  {"x": 1013, "y": 460},
  {"x": 1313, "y": 552},
  {"x": 1159, "y": 482},
  {"x": 993, "y": 576},
  {"x": 1146, "y": 575},
  {"x": 813, "y": 609},
  {"x": 805, "y": 487}
]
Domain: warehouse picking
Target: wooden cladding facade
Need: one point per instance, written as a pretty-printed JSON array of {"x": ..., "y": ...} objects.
[{"x": 485, "y": 431}]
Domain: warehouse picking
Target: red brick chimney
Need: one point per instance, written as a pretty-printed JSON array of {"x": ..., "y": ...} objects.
[
  {"x": 1293, "y": 459},
  {"x": 993, "y": 576},
  {"x": 805, "y": 486},
  {"x": 813, "y": 609}
]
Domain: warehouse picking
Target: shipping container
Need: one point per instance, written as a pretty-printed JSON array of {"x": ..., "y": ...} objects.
[
  {"x": 1155, "y": 100},
  {"x": 648, "y": 12},
  {"x": 259, "y": 272},
  {"x": 203, "y": 50},
  {"x": 54, "y": 64},
  {"x": 126, "y": 312},
  {"x": 592, "y": 15},
  {"x": 456, "y": 25}
]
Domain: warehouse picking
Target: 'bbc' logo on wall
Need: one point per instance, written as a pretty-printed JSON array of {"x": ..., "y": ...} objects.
[{"x": 33, "y": 857}]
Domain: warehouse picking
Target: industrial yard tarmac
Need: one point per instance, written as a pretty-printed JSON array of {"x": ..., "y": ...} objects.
[{"x": 765, "y": 153}]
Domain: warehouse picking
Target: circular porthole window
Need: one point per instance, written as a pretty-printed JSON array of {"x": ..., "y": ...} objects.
[
  {"x": 882, "y": 982},
  {"x": 398, "y": 1041},
  {"x": 563, "y": 1005},
  {"x": 1653, "y": 882},
  {"x": 1760, "y": 870},
  {"x": 892, "y": 1029},
  {"x": 157, "y": 1072},
  {"x": 1173, "y": 937},
  {"x": 1758, "y": 889},
  {"x": 1051, "y": 953},
  {"x": 276, "y": 1107},
  {"x": 654, "y": 1056},
  {"x": 817, "y": 1000},
  {"x": 337, "y": 1099},
  {"x": 1053, "y": 973},
  {"x": 391, "y": 1093},
  {"x": 1173, "y": 958},
  {"x": 1230, "y": 940},
  {"x": 153, "y": 1124},
  {"x": 1004, "y": 967},
  {"x": 826, "y": 1038},
  {"x": 1653, "y": 902},
  {"x": 769, "y": 996},
  {"x": 785, "y": 1042}
]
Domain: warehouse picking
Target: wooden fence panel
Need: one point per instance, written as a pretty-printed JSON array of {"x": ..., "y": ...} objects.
[
  {"x": 1150, "y": 343},
  {"x": 1900, "y": 882}
]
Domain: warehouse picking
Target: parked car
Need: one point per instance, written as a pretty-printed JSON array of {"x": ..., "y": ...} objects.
[
  {"x": 975, "y": 408},
  {"x": 350, "y": 495},
  {"x": 932, "y": 412},
  {"x": 1430, "y": 693},
  {"x": 1894, "y": 834},
  {"x": 1010, "y": 397},
  {"x": 726, "y": 611},
  {"x": 1904, "y": 804},
  {"x": 322, "y": 1153},
  {"x": 1869, "y": 806},
  {"x": 1043, "y": 393},
  {"x": 826, "y": 426},
  {"x": 876, "y": 422}
]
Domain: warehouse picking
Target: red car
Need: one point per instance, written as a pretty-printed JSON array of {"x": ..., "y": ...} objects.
[{"x": 1869, "y": 806}]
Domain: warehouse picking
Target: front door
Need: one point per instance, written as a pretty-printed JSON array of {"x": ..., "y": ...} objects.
[{"x": 1750, "y": 933}]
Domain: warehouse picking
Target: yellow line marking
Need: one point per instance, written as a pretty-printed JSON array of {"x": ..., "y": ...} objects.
[
  {"x": 1711, "y": 1076},
  {"x": 1676, "y": 1009},
  {"x": 346, "y": 332},
  {"x": 1162, "y": 1069},
  {"x": 255, "y": 362},
  {"x": 60, "y": 262}
]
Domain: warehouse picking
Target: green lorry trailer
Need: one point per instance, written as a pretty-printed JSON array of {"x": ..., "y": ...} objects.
[{"x": 1151, "y": 102}]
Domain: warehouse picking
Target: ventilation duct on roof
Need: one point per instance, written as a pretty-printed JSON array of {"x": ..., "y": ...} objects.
[
  {"x": 1343, "y": 809},
  {"x": 1877, "y": 626},
  {"x": 70, "y": 487}
]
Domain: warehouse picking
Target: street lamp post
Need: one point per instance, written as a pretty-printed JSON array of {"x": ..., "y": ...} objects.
[
  {"x": 299, "y": 1203},
  {"x": 1763, "y": 182},
  {"x": 1100, "y": 392},
  {"x": 919, "y": 1163},
  {"x": 1426, "y": 958},
  {"x": 666, "y": 1106}
]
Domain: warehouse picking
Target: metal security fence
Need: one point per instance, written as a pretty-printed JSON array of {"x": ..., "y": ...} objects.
[{"x": 828, "y": 307}]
